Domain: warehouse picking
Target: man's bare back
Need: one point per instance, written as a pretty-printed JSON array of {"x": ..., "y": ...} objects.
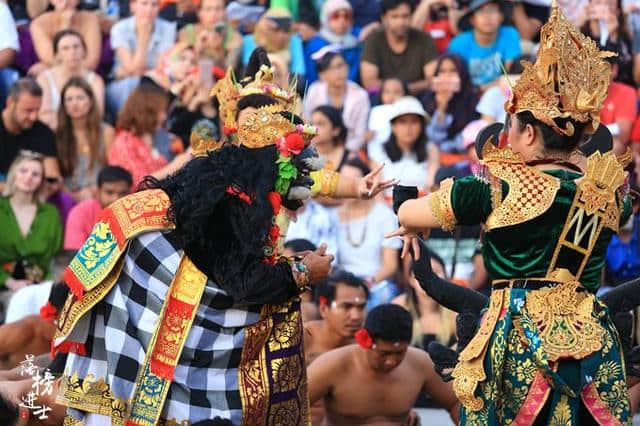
[{"x": 354, "y": 394}]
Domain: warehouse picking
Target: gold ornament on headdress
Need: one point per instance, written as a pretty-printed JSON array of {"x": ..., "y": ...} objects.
[
  {"x": 570, "y": 78},
  {"x": 229, "y": 91},
  {"x": 267, "y": 126}
]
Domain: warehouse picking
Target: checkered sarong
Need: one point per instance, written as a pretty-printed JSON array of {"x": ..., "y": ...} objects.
[{"x": 117, "y": 331}]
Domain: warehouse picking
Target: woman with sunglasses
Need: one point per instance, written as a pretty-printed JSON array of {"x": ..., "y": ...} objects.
[
  {"x": 31, "y": 228},
  {"x": 336, "y": 30}
]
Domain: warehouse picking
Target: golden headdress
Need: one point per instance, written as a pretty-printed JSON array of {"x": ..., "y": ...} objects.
[
  {"x": 570, "y": 78},
  {"x": 229, "y": 91}
]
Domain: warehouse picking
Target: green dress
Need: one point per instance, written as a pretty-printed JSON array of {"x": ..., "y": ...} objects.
[
  {"x": 546, "y": 349},
  {"x": 37, "y": 248}
]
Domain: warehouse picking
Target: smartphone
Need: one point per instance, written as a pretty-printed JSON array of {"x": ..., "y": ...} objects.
[{"x": 205, "y": 70}]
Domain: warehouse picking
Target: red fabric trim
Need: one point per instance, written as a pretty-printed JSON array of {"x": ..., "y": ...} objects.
[
  {"x": 68, "y": 346},
  {"x": 535, "y": 400},
  {"x": 73, "y": 283},
  {"x": 242, "y": 195},
  {"x": 596, "y": 407},
  {"x": 164, "y": 357}
]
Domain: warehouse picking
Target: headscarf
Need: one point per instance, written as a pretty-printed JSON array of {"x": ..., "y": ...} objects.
[{"x": 345, "y": 41}]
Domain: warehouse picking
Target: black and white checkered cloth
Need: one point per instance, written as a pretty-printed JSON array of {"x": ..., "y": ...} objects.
[{"x": 118, "y": 329}]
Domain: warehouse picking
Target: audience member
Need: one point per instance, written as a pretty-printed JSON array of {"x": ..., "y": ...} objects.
[
  {"x": 491, "y": 103},
  {"x": 14, "y": 411},
  {"x": 212, "y": 37},
  {"x": 407, "y": 155},
  {"x": 69, "y": 50},
  {"x": 113, "y": 183},
  {"x": 469, "y": 164},
  {"x": 9, "y": 46},
  {"x": 448, "y": 101},
  {"x": 528, "y": 17},
  {"x": 431, "y": 322},
  {"x": 82, "y": 139},
  {"x": 438, "y": 18},
  {"x": 397, "y": 50},
  {"x": 138, "y": 41},
  {"x": 606, "y": 25},
  {"x": 30, "y": 299},
  {"x": 574, "y": 11},
  {"x": 274, "y": 32},
  {"x": 65, "y": 16},
  {"x": 32, "y": 335},
  {"x": 20, "y": 128},
  {"x": 337, "y": 32},
  {"x": 181, "y": 12},
  {"x": 486, "y": 43},
  {"x": 331, "y": 137},
  {"x": 186, "y": 86},
  {"x": 316, "y": 223},
  {"x": 623, "y": 253},
  {"x": 32, "y": 230},
  {"x": 341, "y": 299},
  {"x": 619, "y": 110},
  {"x": 134, "y": 149},
  {"x": 379, "y": 379},
  {"x": 334, "y": 89},
  {"x": 379, "y": 125},
  {"x": 362, "y": 248}
]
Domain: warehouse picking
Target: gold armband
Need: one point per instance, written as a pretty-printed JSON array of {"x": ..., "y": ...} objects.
[
  {"x": 325, "y": 182},
  {"x": 441, "y": 206}
]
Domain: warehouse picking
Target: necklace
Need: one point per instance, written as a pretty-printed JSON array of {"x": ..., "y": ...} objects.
[{"x": 363, "y": 235}]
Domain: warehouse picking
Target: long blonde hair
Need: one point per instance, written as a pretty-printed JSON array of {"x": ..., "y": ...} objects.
[
  {"x": 447, "y": 330},
  {"x": 23, "y": 156}
]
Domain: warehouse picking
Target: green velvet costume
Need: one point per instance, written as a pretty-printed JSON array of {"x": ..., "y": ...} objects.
[{"x": 545, "y": 349}]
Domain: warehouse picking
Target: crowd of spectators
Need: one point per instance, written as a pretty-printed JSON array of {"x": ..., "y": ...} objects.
[{"x": 97, "y": 94}]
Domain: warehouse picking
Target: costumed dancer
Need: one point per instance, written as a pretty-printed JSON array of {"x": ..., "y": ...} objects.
[
  {"x": 546, "y": 350},
  {"x": 182, "y": 309}
]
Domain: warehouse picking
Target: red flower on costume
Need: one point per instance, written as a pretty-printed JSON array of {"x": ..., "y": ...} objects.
[
  {"x": 275, "y": 199},
  {"x": 294, "y": 143},
  {"x": 48, "y": 312},
  {"x": 364, "y": 338},
  {"x": 274, "y": 233},
  {"x": 229, "y": 130}
]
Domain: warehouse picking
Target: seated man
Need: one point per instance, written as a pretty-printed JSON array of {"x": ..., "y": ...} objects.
[
  {"x": 342, "y": 300},
  {"x": 113, "y": 183},
  {"x": 377, "y": 381}
]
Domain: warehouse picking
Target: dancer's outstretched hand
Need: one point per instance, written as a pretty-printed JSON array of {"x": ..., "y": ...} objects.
[
  {"x": 371, "y": 185},
  {"x": 318, "y": 263},
  {"x": 409, "y": 239}
]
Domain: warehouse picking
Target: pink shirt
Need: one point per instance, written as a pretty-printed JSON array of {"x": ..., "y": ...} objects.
[
  {"x": 135, "y": 156},
  {"x": 81, "y": 219}
]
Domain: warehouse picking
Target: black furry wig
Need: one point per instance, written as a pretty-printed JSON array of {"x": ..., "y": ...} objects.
[{"x": 208, "y": 219}]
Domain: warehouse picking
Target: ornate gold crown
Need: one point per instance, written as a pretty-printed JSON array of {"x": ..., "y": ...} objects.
[
  {"x": 229, "y": 91},
  {"x": 570, "y": 78},
  {"x": 267, "y": 126}
]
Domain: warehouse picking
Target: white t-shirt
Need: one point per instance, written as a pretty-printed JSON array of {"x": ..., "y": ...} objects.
[
  {"x": 492, "y": 104},
  {"x": 318, "y": 224},
  {"x": 407, "y": 170},
  {"x": 380, "y": 124},
  {"x": 28, "y": 301},
  {"x": 9, "y": 33},
  {"x": 360, "y": 241}
]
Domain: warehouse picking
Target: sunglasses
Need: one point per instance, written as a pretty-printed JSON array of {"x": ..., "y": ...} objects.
[{"x": 341, "y": 14}]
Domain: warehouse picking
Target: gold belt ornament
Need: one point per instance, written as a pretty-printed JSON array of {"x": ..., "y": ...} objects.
[{"x": 565, "y": 322}]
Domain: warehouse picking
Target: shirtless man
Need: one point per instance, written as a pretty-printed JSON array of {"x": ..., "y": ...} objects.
[
  {"x": 341, "y": 300},
  {"x": 377, "y": 381}
]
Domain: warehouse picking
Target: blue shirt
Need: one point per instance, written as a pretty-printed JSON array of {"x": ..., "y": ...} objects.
[
  {"x": 484, "y": 61},
  {"x": 351, "y": 56},
  {"x": 296, "y": 66},
  {"x": 623, "y": 259}
]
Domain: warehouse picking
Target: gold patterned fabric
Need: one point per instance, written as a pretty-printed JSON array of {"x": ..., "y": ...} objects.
[
  {"x": 531, "y": 192},
  {"x": 570, "y": 78},
  {"x": 441, "y": 206}
]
